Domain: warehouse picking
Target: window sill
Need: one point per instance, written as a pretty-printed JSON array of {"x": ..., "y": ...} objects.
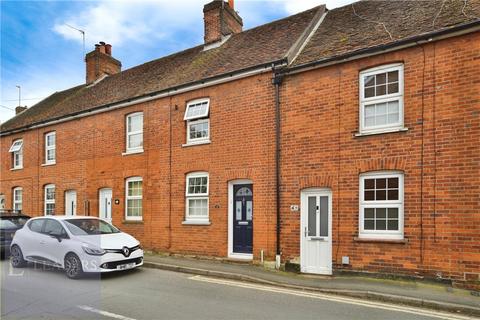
[
  {"x": 196, "y": 223},
  {"x": 132, "y": 222},
  {"x": 132, "y": 152},
  {"x": 381, "y": 240},
  {"x": 198, "y": 143},
  {"x": 363, "y": 134},
  {"x": 48, "y": 164},
  {"x": 15, "y": 169}
]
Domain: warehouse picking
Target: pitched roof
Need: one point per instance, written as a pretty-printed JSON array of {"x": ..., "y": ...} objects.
[
  {"x": 254, "y": 47},
  {"x": 367, "y": 24}
]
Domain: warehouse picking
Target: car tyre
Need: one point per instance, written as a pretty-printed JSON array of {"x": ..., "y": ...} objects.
[
  {"x": 73, "y": 266},
  {"x": 16, "y": 257}
]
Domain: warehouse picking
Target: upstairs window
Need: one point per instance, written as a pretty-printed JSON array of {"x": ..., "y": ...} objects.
[
  {"x": 49, "y": 200},
  {"x": 50, "y": 148},
  {"x": 381, "y": 205},
  {"x": 197, "y": 197},
  {"x": 134, "y": 132},
  {"x": 198, "y": 123},
  {"x": 134, "y": 199},
  {"x": 17, "y": 198},
  {"x": 17, "y": 154},
  {"x": 381, "y": 99}
]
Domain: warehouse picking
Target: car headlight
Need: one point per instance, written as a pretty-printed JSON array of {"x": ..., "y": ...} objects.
[{"x": 94, "y": 251}]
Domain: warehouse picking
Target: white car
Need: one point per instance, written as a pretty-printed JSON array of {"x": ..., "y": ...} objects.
[{"x": 77, "y": 244}]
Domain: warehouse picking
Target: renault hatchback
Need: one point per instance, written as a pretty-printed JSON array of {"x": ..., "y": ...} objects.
[{"x": 77, "y": 244}]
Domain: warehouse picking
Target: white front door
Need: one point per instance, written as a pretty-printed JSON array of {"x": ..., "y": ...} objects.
[
  {"x": 316, "y": 231},
  {"x": 70, "y": 202},
  {"x": 105, "y": 204}
]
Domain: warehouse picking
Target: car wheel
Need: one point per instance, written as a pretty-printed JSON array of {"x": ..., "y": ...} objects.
[
  {"x": 16, "y": 259},
  {"x": 73, "y": 266}
]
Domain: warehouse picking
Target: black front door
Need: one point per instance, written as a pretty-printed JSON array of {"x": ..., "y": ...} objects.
[{"x": 243, "y": 218}]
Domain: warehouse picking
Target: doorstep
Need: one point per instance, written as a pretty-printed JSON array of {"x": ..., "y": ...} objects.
[{"x": 415, "y": 293}]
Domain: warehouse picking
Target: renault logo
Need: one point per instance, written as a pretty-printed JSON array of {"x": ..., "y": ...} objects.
[{"x": 126, "y": 251}]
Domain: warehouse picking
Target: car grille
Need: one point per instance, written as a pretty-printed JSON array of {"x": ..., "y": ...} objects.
[{"x": 114, "y": 264}]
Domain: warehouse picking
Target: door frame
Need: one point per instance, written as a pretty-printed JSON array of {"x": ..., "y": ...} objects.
[
  {"x": 70, "y": 191},
  {"x": 303, "y": 208},
  {"x": 231, "y": 254},
  {"x": 100, "y": 191}
]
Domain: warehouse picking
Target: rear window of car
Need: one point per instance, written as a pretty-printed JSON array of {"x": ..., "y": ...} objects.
[{"x": 36, "y": 225}]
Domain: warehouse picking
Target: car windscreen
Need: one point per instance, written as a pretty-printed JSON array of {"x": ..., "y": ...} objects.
[
  {"x": 85, "y": 227},
  {"x": 12, "y": 222}
]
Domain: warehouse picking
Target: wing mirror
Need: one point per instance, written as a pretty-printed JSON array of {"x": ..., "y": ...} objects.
[{"x": 58, "y": 235}]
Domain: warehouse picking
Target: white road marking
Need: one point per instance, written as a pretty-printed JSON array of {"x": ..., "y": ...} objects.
[
  {"x": 105, "y": 313},
  {"x": 334, "y": 298}
]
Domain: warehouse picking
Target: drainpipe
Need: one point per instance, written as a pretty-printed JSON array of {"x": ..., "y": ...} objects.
[{"x": 277, "y": 81}]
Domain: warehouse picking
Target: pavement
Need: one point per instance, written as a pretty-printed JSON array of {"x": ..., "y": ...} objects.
[
  {"x": 151, "y": 294},
  {"x": 426, "y": 294}
]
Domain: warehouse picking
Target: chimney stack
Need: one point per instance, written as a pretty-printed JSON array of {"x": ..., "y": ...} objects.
[
  {"x": 220, "y": 20},
  {"x": 100, "y": 62},
  {"x": 20, "y": 109}
]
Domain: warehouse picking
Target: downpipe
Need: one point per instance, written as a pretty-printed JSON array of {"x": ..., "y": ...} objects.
[{"x": 277, "y": 81}]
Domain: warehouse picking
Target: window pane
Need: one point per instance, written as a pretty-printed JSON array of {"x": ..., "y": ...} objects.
[
  {"x": 238, "y": 207},
  {"x": 381, "y": 78},
  {"x": 249, "y": 211},
  {"x": 369, "y": 213},
  {"x": 392, "y": 183},
  {"x": 51, "y": 140},
  {"x": 381, "y": 90},
  {"x": 381, "y": 195},
  {"x": 392, "y": 194},
  {"x": 393, "y": 225},
  {"x": 369, "y": 225},
  {"x": 50, "y": 208},
  {"x": 197, "y": 185},
  {"x": 323, "y": 216},
  {"x": 50, "y": 193},
  {"x": 312, "y": 216},
  {"x": 381, "y": 183},
  {"x": 381, "y": 225},
  {"x": 369, "y": 183},
  {"x": 392, "y": 88},
  {"x": 198, "y": 208},
  {"x": 392, "y": 213},
  {"x": 369, "y": 81},
  {"x": 381, "y": 109},
  {"x": 393, "y": 76},
  {"x": 380, "y": 213},
  {"x": 135, "y": 188},
  {"x": 369, "y": 195},
  {"x": 197, "y": 110},
  {"x": 135, "y": 123},
  {"x": 135, "y": 141},
  {"x": 369, "y": 92},
  {"x": 51, "y": 154},
  {"x": 199, "y": 130}
]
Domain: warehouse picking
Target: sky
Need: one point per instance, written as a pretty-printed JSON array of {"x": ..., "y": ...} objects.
[{"x": 41, "y": 53}]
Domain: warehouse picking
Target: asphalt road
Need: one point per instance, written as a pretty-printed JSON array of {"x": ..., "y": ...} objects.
[{"x": 154, "y": 294}]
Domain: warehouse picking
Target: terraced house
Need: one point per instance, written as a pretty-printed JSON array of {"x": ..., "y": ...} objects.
[{"x": 331, "y": 140}]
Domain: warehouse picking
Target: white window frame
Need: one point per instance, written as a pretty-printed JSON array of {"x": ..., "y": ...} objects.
[
  {"x": 193, "y": 103},
  {"x": 196, "y": 119},
  {"x": 131, "y": 133},
  {"x": 382, "y": 234},
  {"x": 50, "y": 147},
  {"x": 127, "y": 197},
  {"x": 48, "y": 201},
  {"x": 197, "y": 196},
  {"x": 197, "y": 140},
  {"x": 16, "y": 202},
  {"x": 382, "y": 99},
  {"x": 17, "y": 153}
]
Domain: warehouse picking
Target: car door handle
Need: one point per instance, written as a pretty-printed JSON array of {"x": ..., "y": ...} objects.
[{"x": 42, "y": 242}]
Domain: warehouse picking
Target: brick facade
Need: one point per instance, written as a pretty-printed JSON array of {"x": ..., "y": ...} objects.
[{"x": 439, "y": 155}]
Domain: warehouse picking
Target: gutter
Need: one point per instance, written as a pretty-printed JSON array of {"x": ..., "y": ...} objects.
[
  {"x": 223, "y": 78},
  {"x": 394, "y": 46}
]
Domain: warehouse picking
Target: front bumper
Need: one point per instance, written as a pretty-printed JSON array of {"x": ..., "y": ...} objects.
[{"x": 111, "y": 262}]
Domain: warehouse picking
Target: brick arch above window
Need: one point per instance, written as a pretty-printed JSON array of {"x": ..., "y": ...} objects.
[{"x": 391, "y": 163}]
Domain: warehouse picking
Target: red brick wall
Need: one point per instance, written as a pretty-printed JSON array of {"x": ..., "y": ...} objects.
[
  {"x": 89, "y": 157},
  {"x": 320, "y": 117}
]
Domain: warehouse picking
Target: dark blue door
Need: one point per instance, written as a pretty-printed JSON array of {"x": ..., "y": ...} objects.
[{"x": 243, "y": 218}]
